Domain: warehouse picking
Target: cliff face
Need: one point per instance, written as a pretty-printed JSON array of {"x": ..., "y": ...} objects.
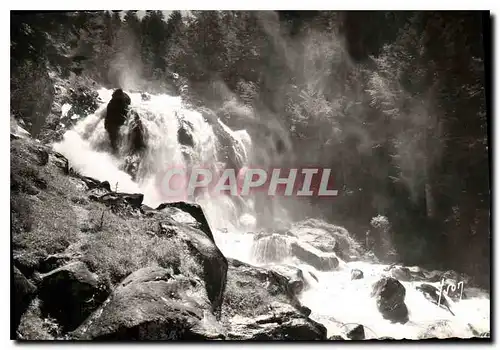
[{"x": 91, "y": 263}]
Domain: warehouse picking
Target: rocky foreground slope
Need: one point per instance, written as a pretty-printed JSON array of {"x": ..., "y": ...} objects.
[{"x": 93, "y": 263}]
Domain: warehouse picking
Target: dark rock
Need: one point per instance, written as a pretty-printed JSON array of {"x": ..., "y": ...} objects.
[
  {"x": 389, "y": 295},
  {"x": 116, "y": 113},
  {"x": 117, "y": 198},
  {"x": 336, "y": 337},
  {"x": 70, "y": 293},
  {"x": 258, "y": 305},
  {"x": 137, "y": 138},
  {"x": 24, "y": 291},
  {"x": 356, "y": 274},
  {"x": 320, "y": 260},
  {"x": 145, "y": 97},
  {"x": 357, "y": 333},
  {"x": 153, "y": 304},
  {"x": 185, "y": 133}
]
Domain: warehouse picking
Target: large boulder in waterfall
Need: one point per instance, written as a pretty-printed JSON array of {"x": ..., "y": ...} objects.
[
  {"x": 185, "y": 133},
  {"x": 154, "y": 303},
  {"x": 356, "y": 274},
  {"x": 70, "y": 293},
  {"x": 259, "y": 305},
  {"x": 137, "y": 137},
  {"x": 327, "y": 238},
  {"x": 116, "y": 113},
  {"x": 318, "y": 259},
  {"x": 389, "y": 295}
]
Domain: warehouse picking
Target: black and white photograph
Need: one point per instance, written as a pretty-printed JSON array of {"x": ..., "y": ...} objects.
[{"x": 251, "y": 175}]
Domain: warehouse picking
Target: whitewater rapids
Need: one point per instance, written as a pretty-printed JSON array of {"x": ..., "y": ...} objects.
[{"x": 333, "y": 298}]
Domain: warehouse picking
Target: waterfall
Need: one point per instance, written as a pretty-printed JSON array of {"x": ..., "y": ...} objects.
[{"x": 177, "y": 137}]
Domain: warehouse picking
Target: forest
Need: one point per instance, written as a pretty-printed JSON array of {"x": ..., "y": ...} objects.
[{"x": 396, "y": 103}]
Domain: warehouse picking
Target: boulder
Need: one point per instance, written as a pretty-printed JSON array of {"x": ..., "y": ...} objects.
[
  {"x": 116, "y": 114},
  {"x": 389, "y": 295},
  {"x": 185, "y": 133},
  {"x": 260, "y": 304},
  {"x": 320, "y": 260},
  {"x": 327, "y": 238},
  {"x": 401, "y": 273},
  {"x": 356, "y": 333},
  {"x": 153, "y": 304},
  {"x": 70, "y": 293},
  {"x": 356, "y": 274},
  {"x": 24, "y": 291},
  {"x": 137, "y": 136}
]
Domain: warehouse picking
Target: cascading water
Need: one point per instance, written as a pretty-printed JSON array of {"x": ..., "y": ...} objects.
[{"x": 335, "y": 299}]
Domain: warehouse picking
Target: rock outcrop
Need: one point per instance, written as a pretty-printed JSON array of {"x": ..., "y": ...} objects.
[
  {"x": 261, "y": 304},
  {"x": 153, "y": 303}
]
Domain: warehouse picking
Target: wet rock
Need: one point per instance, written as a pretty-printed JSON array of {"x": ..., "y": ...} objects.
[
  {"x": 137, "y": 138},
  {"x": 314, "y": 257},
  {"x": 116, "y": 114},
  {"x": 259, "y": 305},
  {"x": 24, "y": 291},
  {"x": 356, "y": 333},
  {"x": 327, "y": 238},
  {"x": 153, "y": 304},
  {"x": 356, "y": 274},
  {"x": 185, "y": 133},
  {"x": 389, "y": 295},
  {"x": 281, "y": 324},
  {"x": 70, "y": 293},
  {"x": 401, "y": 273}
]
